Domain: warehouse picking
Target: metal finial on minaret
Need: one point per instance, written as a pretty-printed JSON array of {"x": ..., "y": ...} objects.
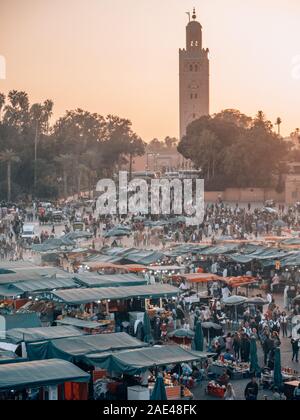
[{"x": 194, "y": 14}]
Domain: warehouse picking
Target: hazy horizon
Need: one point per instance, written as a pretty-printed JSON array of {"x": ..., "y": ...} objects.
[{"x": 121, "y": 57}]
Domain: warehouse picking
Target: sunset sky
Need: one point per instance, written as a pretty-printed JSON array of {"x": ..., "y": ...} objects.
[{"x": 121, "y": 56}]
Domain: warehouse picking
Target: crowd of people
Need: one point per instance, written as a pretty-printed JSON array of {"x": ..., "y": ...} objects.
[{"x": 269, "y": 325}]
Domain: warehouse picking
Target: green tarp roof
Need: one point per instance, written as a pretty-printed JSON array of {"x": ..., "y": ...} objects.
[
  {"x": 220, "y": 249},
  {"x": 16, "y": 265},
  {"x": 19, "y": 277},
  {"x": 54, "y": 243},
  {"x": 22, "y": 320},
  {"x": 133, "y": 362},
  {"x": 79, "y": 323},
  {"x": 261, "y": 254},
  {"x": 113, "y": 280},
  {"x": 9, "y": 357},
  {"x": 185, "y": 249},
  {"x": 32, "y": 274},
  {"x": 78, "y": 235},
  {"x": 9, "y": 291},
  {"x": 292, "y": 241},
  {"x": 46, "y": 284},
  {"x": 39, "y": 373},
  {"x": 75, "y": 348},
  {"x": 118, "y": 231},
  {"x": 129, "y": 255},
  {"x": 17, "y": 335},
  {"x": 81, "y": 296},
  {"x": 291, "y": 260},
  {"x": 144, "y": 257}
]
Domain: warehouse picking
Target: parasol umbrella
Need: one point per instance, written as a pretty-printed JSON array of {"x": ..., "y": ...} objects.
[
  {"x": 159, "y": 390},
  {"x": 235, "y": 301},
  {"x": 116, "y": 232},
  {"x": 254, "y": 367},
  {"x": 296, "y": 299},
  {"x": 277, "y": 369},
  {"x": 270, "y": 210},
  {"x": 280, "y": 223},
  {"x": 257, "y": 301},
  {"x": 147, "y": 329},
  {"x": 209, "y": 326},
  {"x": 182, "y": 333},
  {"x": 199, "y": 339}
]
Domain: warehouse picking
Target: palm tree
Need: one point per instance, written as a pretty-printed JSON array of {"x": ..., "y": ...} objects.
[
  {"x": 65, "y": 162},
  {"x": 278, "y": 123},
  {"x": 2, "y": 103},
  {"x": 81, "y": 170},
  {"x": 40, "y": 115},
  {"x": 9, "y": 157}
]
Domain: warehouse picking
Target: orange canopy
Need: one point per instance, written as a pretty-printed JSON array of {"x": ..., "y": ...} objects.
[
  {"x": 240, "y": 281},
  {"x": 134, "y": 268},
  {"x": 94, "y": 266},
  {"x": 201, "y": 277}
]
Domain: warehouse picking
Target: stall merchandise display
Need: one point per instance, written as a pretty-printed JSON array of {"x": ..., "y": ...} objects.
[
  {"x": 216, "y": 390},
  {"x": 237, "y": 370}
]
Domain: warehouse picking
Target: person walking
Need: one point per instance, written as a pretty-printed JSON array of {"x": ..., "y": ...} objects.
[
  {"x": 229, "y": 394},
  {"x": 295, "y": 348},
  {"x": 237, "y": 346},
  {"x": 245, "y": 348},
  {"x": 229, "y": 343},
  {"x": 284, "y": 324},
  {"x": 268, "y": 345}
]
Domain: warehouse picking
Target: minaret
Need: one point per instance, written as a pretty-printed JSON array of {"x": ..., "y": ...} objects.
[{"x": 194, "y": 76}]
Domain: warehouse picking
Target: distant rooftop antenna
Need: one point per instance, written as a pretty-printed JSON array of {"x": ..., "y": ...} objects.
[{"x": 189, "y": 15}]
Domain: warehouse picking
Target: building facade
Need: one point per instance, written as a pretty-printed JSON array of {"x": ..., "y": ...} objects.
[{"x": 194, "y": 76}]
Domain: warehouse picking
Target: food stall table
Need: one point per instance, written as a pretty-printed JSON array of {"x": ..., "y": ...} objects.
[{"x": 289, "y": 388}]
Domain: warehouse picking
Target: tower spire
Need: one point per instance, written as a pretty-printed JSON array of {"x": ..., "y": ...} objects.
[{"x": 194, "y": 14}]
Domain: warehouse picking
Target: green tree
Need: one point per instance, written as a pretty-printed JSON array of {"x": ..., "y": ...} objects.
[
  {"x": 40, "y": 115},
  {"x": 234, "y": 150},
  {"x": 17, "y": 110},
  {"x": 2, "y": 103},
  {"x": 65, "y": 163},
  {"x": 9, "y": 157}
]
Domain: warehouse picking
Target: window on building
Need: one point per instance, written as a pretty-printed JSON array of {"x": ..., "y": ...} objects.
[
  {"x": 196, "y": 95},
  {"x": 191, "y": 96},
  {"x": 194, "y": 115},
  {"x": 196, "y": 43},
  {"x": 191, "y": 67},
  {"x": 192, "y": 43}
]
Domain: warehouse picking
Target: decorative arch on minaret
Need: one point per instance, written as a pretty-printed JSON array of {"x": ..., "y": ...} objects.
[{"x": 193, "y": 34}]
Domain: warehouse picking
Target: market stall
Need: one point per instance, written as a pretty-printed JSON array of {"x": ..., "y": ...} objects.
[
  {"x": 140, "y": 363},
  {"x": 17, "y": 380},
  {"x": 109, "y": 305},
  {"x": 75, "y": 349}
]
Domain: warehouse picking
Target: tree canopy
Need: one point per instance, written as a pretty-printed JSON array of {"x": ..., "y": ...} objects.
[
  {"x": 65, "y": 157},
  {"x": 234, "y": 150}
]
